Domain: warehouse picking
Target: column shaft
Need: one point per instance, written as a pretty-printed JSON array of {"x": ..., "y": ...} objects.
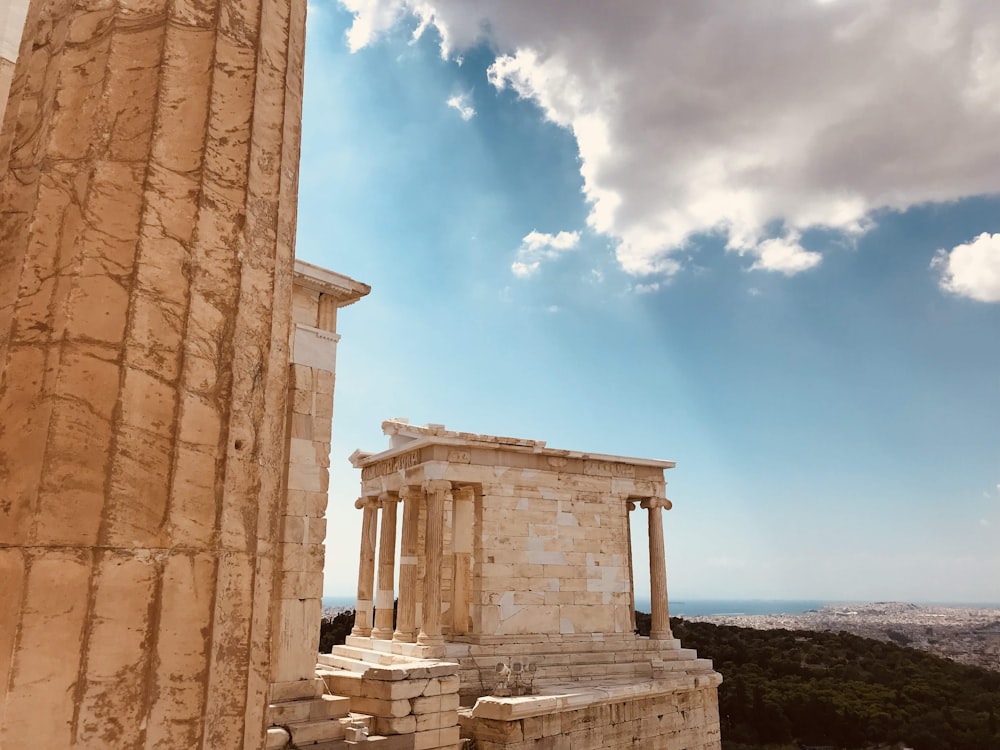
[
  {"x": 660, "y": 628},
  {"x": 406, "y": 615},
  {"x": 430, "y": 627},
  {"x": 365, "y": 608},
  {"x": 386, "y": 593},
  {"x": 147, "y": 233}
]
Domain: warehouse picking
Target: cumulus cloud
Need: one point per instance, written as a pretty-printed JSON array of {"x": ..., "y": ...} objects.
[
  {"x": 461, "y": 104},
  {"x": 752, "y": 121},
  {"x": 537, "y": 247},
  {"x": 972, "y": 270}
]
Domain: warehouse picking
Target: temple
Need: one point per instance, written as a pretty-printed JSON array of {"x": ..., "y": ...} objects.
[{"x": 515, "y": 564}]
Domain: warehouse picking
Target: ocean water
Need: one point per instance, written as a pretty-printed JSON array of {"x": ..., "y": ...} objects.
[{"x": 690, "y": 607}]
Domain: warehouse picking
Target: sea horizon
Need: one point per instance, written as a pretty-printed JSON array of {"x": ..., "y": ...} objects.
[{"x": 692, "y": 607}]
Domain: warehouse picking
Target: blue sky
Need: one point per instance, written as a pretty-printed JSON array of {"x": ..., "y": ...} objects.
[{"x": 824, "y": 370}]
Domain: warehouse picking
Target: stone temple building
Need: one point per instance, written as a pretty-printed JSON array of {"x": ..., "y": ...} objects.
[
  {"x": 515, "y": 564},
  {"x": 167, "y": 370}
]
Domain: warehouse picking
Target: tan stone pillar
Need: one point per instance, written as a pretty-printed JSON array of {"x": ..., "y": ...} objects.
[
  {"x": 463, "y": 511},
  {"x": 435, "y": 492},
  {"x": 660, "y": 627},
  {"x": 365, "y": 607},
  {"x": 386, "y": 593},
  {"x": 406, "y": 615},
  {"x": 629, "y": 507},
  {"x": 147, "y": 229}
]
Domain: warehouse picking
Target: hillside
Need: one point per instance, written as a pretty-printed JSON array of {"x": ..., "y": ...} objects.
[{"x": 786, "y": 688}]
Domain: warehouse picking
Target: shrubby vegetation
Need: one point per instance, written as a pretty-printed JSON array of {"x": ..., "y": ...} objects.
[
  {"x": 333, "y": 630},
  {"x": 792, "y": 688}
]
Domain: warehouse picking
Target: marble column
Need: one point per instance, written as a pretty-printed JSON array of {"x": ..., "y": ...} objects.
[
  {"x": 148, "y": 176},
  {"x": 436, "y": 493},
  {"x": 386, "y": 593},
  {"x": 406, "y": 614},
  {"x": 365, "y": 608},
  {"x": 660, "y": 627}
]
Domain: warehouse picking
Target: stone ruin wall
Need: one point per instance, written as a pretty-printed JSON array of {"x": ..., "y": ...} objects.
[{"x": 681, "y": 720}]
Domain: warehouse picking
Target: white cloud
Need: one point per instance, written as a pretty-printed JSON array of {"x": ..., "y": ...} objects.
[
  {"x": 783, "y": 254},
  {"x": 460, "y": 103},
  {"x": 539, "y": 246},
  {"x": 972, "y": 270},
  {"x": 753, "y": 121},
  {"x": 984, "y": 522},
  {"x": 649, "y": 288},
  {"x": 524, "y": 270}
]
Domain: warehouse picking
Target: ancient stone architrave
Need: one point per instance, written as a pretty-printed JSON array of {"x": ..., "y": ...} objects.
[{"x": 527, "y": 551}]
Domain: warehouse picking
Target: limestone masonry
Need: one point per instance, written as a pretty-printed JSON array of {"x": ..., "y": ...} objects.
[{"x": 516, "y": 567}]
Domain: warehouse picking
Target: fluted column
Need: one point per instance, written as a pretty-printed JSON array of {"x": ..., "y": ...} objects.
[
  {"x": 386, "y": 593},
  {"x": 435, "y": 492},
  {"x": 660, "y": 627},
  {"x": 406, "y": 614},
  {"x": 365, "y": 608},
  {"x": 147, "y": 233}
]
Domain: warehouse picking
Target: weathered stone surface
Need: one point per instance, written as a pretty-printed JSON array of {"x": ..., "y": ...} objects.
[
  {"x": 148, "y": 164},
  {"x": 523, "y": 558}
]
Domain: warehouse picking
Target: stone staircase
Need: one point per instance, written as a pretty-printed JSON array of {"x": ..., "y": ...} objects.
[
  {"x": 581, "y": 663},
  {"x": 318, "y": 721}
]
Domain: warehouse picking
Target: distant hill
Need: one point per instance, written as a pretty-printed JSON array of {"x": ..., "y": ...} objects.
[{"x": 787, "y": 688}]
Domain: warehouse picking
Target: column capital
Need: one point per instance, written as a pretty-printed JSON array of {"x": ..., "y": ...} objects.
[
  {"x": 408, "y": 491},
  {"x": 388, "y": 497},
  {"x": 437, "y": 485},
  {"x": 368, "y": 501},
  {"x": 649, "y": 503},
  {"x": 630, "y": 505}
]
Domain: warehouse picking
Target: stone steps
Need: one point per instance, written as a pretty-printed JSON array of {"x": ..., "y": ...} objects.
[{"x": 316, "y": 723}]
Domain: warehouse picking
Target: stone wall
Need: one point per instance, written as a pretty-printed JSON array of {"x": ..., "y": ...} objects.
[
  {"x": 552, "y": 556},
  {"x": 413, "y": 703},
  {"x": 679, "y": 720}
]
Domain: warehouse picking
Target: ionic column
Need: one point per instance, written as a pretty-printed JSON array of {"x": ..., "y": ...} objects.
[
  {"x": 435, "y": 493},
  {"x": 406, "y": 616},
  {"x": 660, "y": 628},
  {"x": 386, "y": 569},
  {"x": 366, "y": 569}
]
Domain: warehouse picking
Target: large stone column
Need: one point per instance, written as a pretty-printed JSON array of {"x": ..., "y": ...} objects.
[
  {"x": 147, "y": 221},
  {"x": 386, "y": 593},
  {"x": 660, "y": 626},
  {"x": 365, "y": 607},
  {"x": 406, "y": 614},
  {"x": 430, "y": 626}
]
